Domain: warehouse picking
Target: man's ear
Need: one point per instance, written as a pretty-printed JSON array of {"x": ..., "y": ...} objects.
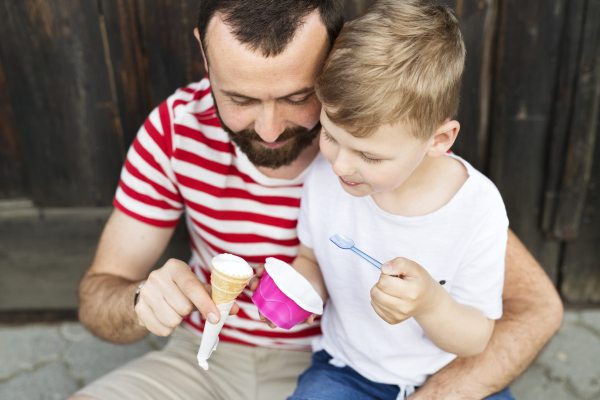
[
  {"x": 197, "y": 34},
  {"x": 444, "y": 138}
]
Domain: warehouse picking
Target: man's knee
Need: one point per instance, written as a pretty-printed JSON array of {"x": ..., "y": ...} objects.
[{"x": 81, "y": 397}]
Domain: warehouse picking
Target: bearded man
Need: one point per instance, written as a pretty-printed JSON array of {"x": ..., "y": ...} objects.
[{"x": 231, "y": 152}]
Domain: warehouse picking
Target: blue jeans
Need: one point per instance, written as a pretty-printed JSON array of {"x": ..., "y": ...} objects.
[{"x": 323, "y": 381}]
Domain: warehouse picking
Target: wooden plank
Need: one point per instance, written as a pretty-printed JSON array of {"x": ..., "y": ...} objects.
[
  {"x": 581, "y": 269},
  {"x": 56, "y": 74},
  {"x": 12, "y": 174},
  {"x": 119, "y": 20},
  {"x": 44, "y": 253},
  {"x": 579, "y": 207},
  {"x": 477, "y": 21},
  {"x": 174, "y": 58},
  {"x": 562, "y": 114},
  {"x": 529, "y": 38},
  {"x": 583, "y": 130}
]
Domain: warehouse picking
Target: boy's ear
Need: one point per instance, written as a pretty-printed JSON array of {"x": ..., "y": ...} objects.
[
  {"x": 197, "y": 34},
  {"x": 444, "y": 138}
]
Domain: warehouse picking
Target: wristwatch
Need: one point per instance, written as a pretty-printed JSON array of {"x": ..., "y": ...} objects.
[{"x": 137, "y": 293}]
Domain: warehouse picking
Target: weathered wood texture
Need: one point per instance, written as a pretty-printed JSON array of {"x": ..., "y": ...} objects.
[
  {"x": 77, "y": 79},
  {"x": 579, "y": 207},
  {"x": 174, "y": 58},
  {"x": 529, "y": 38},
  {"x": 53, "y": 59},
  {"x": 12, "y": 174},
  {"x": 478, "y": 23},
  {"x": 560, "y": 127},
  {"x": 127, "y": 66}
]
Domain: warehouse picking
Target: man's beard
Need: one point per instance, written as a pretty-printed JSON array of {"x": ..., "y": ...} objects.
[{"x": 298, "y": 138}]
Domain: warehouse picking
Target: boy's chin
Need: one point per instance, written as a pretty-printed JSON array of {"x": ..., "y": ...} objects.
[{"x": 357, "y": 191}]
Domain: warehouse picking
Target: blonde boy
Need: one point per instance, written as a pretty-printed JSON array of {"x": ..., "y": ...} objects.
[{"x": 389, "y": 91}]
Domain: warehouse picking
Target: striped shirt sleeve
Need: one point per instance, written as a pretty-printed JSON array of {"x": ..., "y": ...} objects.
[{"x": 148, "y": 188}]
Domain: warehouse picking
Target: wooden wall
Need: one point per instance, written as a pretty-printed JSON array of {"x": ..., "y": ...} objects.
[{"x": 77, "y": 79}]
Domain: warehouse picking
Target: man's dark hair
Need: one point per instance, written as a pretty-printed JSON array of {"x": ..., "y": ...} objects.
[{"x": 269, "y": 25}]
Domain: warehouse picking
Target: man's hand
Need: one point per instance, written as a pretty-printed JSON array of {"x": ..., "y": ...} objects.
[
  {"x": 532, "y": 314},
  {"x": 412, "y": 292},
  {"x": 170, "y": 294}
]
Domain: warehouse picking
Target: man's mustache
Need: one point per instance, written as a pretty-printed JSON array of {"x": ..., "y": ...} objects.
[{"x": 288, "y": 133}]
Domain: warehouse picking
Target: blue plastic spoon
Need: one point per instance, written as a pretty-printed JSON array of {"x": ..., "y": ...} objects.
[{"x": 344, "y": 242}]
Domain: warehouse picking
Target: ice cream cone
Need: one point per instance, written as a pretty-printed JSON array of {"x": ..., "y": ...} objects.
[
  {"x": 227, "y": 280},
  {"x": 226, "y": 288}
]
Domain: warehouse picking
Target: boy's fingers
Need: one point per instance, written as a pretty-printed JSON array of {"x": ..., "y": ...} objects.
[
  {"x": 402, "y": 267},
  {"x": 385, "y": 299},
  {"x": 255, "y": 280},
  {"x": 253, "y": 283},
  {"x": 263, "y": 318},
  {"x": 394, "y": 286},
  {"x": 384, "y": 314},
  {"x": 259, "y": 270}
]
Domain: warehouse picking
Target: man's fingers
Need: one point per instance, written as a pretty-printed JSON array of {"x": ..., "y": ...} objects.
[
  {"x": 147, "y": 317},
  {"x": 194, "y": 290}
]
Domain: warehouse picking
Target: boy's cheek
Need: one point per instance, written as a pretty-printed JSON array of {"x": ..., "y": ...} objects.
[{"x": 326, "y": 150}]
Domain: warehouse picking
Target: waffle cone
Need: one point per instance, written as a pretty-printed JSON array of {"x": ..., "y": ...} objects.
[{"x": 226, "y": 288}]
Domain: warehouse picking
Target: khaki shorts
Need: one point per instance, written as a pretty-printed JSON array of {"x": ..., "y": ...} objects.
[{"x": 235, "y": 372}]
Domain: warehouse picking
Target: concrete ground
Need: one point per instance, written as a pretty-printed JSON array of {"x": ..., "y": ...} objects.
[{"x": 50, "y": 362}]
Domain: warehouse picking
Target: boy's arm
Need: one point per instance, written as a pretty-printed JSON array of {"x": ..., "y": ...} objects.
[
  {"x": 306, "y": 264},
  {"x": 405, "y": 289},
  {"x": 532, "y": 313}
]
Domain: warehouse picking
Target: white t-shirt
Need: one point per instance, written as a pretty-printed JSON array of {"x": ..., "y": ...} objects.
[{"x": 463, "y": 243}]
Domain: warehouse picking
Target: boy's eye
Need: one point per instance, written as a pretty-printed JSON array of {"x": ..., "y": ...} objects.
[
  {"x": 327, "y": 136},
  {"x": 370, "y": 160}
]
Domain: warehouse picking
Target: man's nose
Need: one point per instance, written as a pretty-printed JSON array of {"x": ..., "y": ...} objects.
[{"x": 268, "y": 124}]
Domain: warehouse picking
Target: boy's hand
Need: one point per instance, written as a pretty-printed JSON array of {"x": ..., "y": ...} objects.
[
  {"x": 412, "y": 292},
  {"x": 253, "y": 284}
]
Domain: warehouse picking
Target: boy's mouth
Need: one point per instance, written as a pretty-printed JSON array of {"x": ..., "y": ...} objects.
[{"x": 349, "y": 183}]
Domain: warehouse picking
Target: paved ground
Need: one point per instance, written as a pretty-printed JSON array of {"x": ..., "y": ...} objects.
[{"x": 49, "y": 362}]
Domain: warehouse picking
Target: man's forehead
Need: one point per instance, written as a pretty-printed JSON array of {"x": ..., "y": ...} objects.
[
  {"x": 235, "y": 67},
  {"x": 311, "y": 27}
]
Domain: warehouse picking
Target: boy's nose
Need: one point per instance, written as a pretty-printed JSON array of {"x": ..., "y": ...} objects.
[
  {"x": 341, "y": 165},
  {"x": 268, "y": 125}
]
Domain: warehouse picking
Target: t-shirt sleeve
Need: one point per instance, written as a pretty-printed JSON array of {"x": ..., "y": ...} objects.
[
  {"x": 147, "y": 189},
  {"x": 480, "y": 278}
]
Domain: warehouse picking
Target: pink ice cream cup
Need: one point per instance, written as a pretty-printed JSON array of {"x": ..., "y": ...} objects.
[{"x": 288, "y": 301}]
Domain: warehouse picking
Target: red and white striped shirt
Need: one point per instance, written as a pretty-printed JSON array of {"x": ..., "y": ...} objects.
[{"x": 182, "y": 160}]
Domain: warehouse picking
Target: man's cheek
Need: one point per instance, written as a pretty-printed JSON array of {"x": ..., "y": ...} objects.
[
  {"x": 236, "y": 119},
  {"x": 308, "y": 115}
]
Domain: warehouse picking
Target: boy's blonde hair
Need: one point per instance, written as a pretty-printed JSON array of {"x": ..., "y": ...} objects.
[{"x": 400, "y": 61}]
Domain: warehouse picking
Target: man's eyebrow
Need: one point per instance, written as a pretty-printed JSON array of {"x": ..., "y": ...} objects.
[{"x": 243, "y": 96}]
